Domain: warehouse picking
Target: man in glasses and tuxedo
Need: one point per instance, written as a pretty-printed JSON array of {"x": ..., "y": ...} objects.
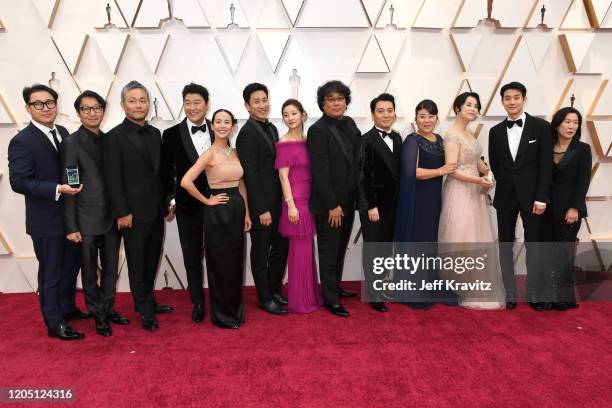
[{"x": 35, "y": 172}]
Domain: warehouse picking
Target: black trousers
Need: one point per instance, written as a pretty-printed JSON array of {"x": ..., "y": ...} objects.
[
  {"x": 191, "y": 236},
  {"x": 143, "y": 245},
  {"x": 269, "y": 251},
  {"x": 506, "y": 226},
  {"x": 100, "y": 297},
  {"x": 331, "y": 245},
  {"x": 224, "y": 229},
  {"x": 382, "y": 232},
  {"x": 58, "y": 267},
  {"x": 561, "y": 237}
]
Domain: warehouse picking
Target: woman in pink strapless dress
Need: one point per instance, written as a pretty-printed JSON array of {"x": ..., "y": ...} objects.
[{"x": 297, "y": 222}]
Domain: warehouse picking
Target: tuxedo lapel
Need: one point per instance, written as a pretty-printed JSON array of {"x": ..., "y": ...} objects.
[
  {"x": 188, "y": 145},
  {"x": 384, "y": 151},
  {"x": 156, "y": 150},
  {"x": 86, "y": 142},
  {"x": 503, "y": 145},
  {"x": 259, "y": 130},
  {"x": 336, "y": 134},
  {"x": 43, "y": 139},
  {"x": 522, "y": 149}
]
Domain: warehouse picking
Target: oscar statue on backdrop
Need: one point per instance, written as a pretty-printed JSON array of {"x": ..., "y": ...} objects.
[
  {"x": 232, "y": 23},
  {"x": 294, "y": 82},
  {"x": 572, "y": 100},
  {"x": 109, "y": 22},
  {"x": 542, "y": 14},
  {"x": 156, "y": 118},
  {"x": 391, "y": 13},
  {"x": 166, "y": 281}
]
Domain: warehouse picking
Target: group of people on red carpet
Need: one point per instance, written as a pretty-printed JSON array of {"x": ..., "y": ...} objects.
[{"x": 284, "y": 191}]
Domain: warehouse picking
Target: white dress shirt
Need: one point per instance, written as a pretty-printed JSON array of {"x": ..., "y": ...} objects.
[
  {"x": 201, "y": 140},
  {"x": 388, "y": 141},
  {"x": 514, "y": 136},
  {"x": 47, "y": 132}
]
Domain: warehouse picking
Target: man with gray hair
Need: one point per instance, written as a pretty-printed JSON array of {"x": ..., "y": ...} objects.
[{"x": 132, "y": 152}]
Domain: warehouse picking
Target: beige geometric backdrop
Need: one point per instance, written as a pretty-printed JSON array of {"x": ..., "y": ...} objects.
[{"x": 414, "y": 49}]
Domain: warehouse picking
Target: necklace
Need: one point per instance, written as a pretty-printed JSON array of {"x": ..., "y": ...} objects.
[{"x": 227, "y": 151}]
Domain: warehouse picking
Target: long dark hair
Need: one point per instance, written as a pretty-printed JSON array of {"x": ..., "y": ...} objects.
[
  {"x": 231, "y": 116},
  {"x": 560, "y": 116}
]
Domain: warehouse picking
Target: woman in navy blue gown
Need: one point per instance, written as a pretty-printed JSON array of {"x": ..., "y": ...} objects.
[{"x": 420, "y": 199}]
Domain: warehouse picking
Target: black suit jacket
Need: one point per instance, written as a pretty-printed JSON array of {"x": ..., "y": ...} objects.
[
  {"x": 178, "y": 155},
  {"x": 89, "y": 211},
  {"x": 571, "y": 179},
  {"x": 379, "y": 172},
  {"x": 35, "y": 172},
  {"x": 526, "y": 179},
  {"x": 132, "y": 157},
  {"x": 257, "y": 155},
  {"x": 334, "y": 162}
]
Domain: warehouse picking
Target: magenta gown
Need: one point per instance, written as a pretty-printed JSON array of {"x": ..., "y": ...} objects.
[{"x": 304, "y": 293}]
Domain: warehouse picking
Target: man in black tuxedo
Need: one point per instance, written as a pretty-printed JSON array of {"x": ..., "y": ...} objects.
[
  {"x": 87, "y": 215},
  {"x": 520, "y": 154},
  {"x": 132, "y": 158},
  {"x": 380, "y": 161},
  {"x": 35, "y": 172},
  {"x": 182, "y": 144},
  {"x": 257, "y": 152},
  {"x": 333, "y": 144}
]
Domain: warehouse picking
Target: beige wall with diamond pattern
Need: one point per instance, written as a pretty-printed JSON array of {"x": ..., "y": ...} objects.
[{"x": 414, "y": 49}]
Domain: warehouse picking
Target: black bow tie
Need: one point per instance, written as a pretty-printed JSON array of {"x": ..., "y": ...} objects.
[
  {"x": 510, "y": 123},
  {"x": 384, "y": 134},
  {"x": 196, "y": 128}
]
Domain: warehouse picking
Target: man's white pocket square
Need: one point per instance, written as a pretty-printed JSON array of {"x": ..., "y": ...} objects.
[{"x": 532, "y": 141}]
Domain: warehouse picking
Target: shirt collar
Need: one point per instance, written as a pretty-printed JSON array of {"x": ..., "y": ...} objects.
[
  {"x": 190, "y": 124},
  {"x": 92, "y": 134},
  {"x": 523, "y": 117},
  {"x": 44, "y": 128},
  {"x": 135, "y": 127},
  {"x": 382, "y": 130}
]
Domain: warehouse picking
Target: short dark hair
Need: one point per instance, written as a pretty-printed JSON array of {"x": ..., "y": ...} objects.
[
  {"x": 254, "y": 87},
  {"x": 560, "y": 116},
  {"x": 195, "y": 89},
  {"x": 29, "y": 90},
  {"x": 427, "y": 104},
  {"x": 461, "y": 98},
  {"x": 513, "y": 85},
  {"x": 332, "y": 86},
  {"x": 383, "y": 97},
  {"x": 90, "y": 94}
]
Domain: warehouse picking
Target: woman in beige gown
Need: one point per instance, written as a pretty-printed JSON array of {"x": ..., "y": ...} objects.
[{"x": 465, "y": 226}]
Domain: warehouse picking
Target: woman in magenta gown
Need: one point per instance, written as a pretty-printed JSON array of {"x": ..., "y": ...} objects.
[{"x": 297, "y": 222}]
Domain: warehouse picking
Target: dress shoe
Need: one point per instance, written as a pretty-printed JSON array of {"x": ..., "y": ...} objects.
[
  {"x": 163, "y": 308},
  {"x": 272, "y": 307},
  {"x": 379, "y": 306},
  {"x": 540, "y": 306},
  {"x": 345, "y": 293},
  {"x": 149, "y": 323},
  {"x": 197, "y": 314},
  {"x": 77, "y": 314},
  {"x": 560, "y": 306},
  {"x": 420, "y": 305},
  {"x": 570, "y": 305},
  {"x": 64, "y": 332},
  {"x": 103, "y": 328},
  {"x": 117, "y": 318},
  {"x": 510, "y": 305},
  {"x": 338, "y": 310},
  {"x": 279, "y": 299}
]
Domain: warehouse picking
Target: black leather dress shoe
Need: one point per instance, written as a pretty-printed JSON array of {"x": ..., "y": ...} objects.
[
  {"x": 570, "y": 305},
  {"x": 149, "y": 323},
  {"x": 103, "y": 328},
  {"x": 345, "y": 293},
  {"x": 163, "y": 308},
  {"x": 560, "y": 306},
  {"x": 510, "y": 305},
  {"x": 197, "y": 314},
  {"x": 540, "y": 306},
  {"x": 379, "y": 306},
  {"x": 338, "y": 310},
  {"x": 117, "y": 318},
  {"x": 279, "y": 299},
  {"x": 274, "y": 308},
  {"x": 64, "y": 332},
  {"x": 77, "y": 314}
]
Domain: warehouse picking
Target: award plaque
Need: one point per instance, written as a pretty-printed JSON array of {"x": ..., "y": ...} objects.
[{"x": 73, "y": 176}]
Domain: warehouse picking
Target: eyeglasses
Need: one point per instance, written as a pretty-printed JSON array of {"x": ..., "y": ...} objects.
[
  {"x": 88, "y": 109},
  {"x": 38, "y": 105},
  {"x": 332, "y": 99}
]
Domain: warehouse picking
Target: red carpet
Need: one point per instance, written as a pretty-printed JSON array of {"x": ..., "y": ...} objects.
[{"x": 445, "y": 357}]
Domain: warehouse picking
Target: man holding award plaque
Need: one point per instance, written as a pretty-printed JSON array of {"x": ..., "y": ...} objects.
[
  {"x": 87, "y": 215},
  {"x": 35, "y": 172}
]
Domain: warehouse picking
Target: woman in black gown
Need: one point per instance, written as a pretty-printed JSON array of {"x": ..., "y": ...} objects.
[{"x": 226, "y": 219}]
